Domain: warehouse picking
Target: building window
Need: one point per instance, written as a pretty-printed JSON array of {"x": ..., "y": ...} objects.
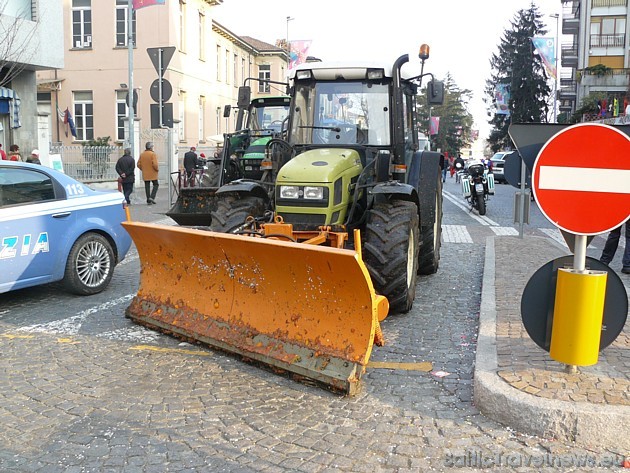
[
  {"x": 218, "y": 120},
  {"x": 122, "y": 22},
  {"x": 227, "y": 66},
  {"x": 18, "y": 9},
  {"x": 202, "y": 115},
  {"x": 608, "y": 32},
  {"x": 182, "y": 116},
  {"x": 243, "y": 76},
  {"x": 264, "y": 73},
  {"x": 202, "y": 36},
  {"x": 81, "y": 24},
  {"x": 122, "y": 112},
  {"x": 236, "y": 83},
  {"x": 182, "y": 25},
  {"x": 218, "y": 63},
  {"x": 83, "y": 115}
]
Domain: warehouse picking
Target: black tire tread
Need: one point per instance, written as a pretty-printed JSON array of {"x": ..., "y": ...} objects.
[
  {"x": 385, "y": 250},
  {"x": 430, "y": 244},
  {"x": 233, "y": 210}
]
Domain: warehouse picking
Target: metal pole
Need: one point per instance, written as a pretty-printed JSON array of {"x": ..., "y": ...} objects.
[
  {"x": 521, "y": 217},
  {"x": 130, "y": 92},
  {"x": 161, "y": 101},
  {"x": 169, "y": 154},
  {"x": 555, "y": 81}
]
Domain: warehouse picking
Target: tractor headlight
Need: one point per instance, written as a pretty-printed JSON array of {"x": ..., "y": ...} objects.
[
  {"x": 315, "y": 193},
  {"x": 289, "y": 192}
]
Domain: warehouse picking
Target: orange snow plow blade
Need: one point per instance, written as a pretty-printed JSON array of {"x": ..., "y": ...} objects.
[{"x": 310, "y": 310}]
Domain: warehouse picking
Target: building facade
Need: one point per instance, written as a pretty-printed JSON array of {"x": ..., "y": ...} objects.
[
  {"x": 31, "y": 43},
  {"x": 208, "y": 65},
  {"x": 598, "y": 56}
]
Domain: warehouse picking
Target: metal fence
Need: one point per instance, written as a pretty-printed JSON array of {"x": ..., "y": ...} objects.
[
  {"x": 89, "y": 163},
  {"x": 98, "y": 163}
]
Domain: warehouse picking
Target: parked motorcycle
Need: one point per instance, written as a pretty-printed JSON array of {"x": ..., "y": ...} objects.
[{"x": 477, "y": 186}]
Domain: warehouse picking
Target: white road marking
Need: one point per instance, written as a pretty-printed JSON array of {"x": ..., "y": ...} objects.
[
  {"x": 554, "y": 234},
  {"x": 456, "y": 234},
  {"x": 131, "y": 334},
  {"x": 504, "y": 230},
  {"x": 457, "y": 201},
  {"x": 72, "y": 325},
  {"x": 613, "y": 181}
]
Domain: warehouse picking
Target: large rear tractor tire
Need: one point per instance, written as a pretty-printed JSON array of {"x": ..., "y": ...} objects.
[
  {"x": 431, "y": 238},
  {"x": 390, "y": 252},
  {"x": 233, "y": 210},
  {"x": 210, "y": 178}
]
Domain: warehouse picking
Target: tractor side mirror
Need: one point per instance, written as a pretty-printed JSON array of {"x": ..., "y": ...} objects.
[
  {"x": 435, "y": 92},
  {"x": 226, "y": 111},
  {"x": 244, "y": 97}
]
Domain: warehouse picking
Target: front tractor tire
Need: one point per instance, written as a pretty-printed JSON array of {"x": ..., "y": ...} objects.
[
  {"x": 390, "y": 251},
  {"x": 431, "y": 237},
  {"x": 232, "y": 212}
]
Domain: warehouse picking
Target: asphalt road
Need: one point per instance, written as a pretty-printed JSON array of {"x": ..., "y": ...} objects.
[{"x": 85, "y": 389}]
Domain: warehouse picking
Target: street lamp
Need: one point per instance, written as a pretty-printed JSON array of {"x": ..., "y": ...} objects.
[
  {"x": 555, "y": 53},
  {"x": 288, "y": 20}
]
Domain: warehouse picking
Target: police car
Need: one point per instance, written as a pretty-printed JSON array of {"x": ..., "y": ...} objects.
[{"x": 53, "y": 228}]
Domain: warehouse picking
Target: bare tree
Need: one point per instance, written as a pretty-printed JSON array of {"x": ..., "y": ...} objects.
[{"x": 16, "y": 34}]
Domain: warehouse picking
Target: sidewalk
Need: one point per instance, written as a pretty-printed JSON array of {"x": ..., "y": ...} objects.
[{"x": 519, "y": 385}]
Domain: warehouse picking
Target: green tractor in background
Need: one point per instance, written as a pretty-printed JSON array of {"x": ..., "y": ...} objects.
[{"x": 258, "y": 121}]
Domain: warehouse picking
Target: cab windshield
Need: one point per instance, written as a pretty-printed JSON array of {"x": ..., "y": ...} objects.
[
  {"x": 268, "y": 118},
  {"x": 341, "y": 113}
]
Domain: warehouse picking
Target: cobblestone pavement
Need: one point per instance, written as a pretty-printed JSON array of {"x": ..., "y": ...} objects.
[{"x": 84, "y": 389}]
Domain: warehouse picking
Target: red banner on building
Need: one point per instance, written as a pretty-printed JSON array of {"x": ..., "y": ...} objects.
[{"x": 137, "y": 4}]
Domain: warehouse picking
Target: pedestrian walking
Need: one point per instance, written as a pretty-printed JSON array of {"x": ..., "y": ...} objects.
[
  {"x": 612, "y": 243},
  {"x": 34, "y": 157},
  {"x": 3, "y": 154},
  {"x": 148, "y": 164},
  {"x": 125, "y": 167}
]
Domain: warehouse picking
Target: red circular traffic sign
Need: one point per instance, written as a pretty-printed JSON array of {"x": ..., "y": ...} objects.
[{"x": 581, "y": 179}]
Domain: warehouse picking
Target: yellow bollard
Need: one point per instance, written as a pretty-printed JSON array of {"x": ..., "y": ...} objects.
[{"x": 577, "y": 317}]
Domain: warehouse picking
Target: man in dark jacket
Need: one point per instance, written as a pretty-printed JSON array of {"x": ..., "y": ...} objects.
[
  {"x": 125, "y": 167},
  {"x": 190, "y": 163}
]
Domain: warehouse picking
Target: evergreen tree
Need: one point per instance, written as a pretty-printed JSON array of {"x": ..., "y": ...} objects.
[
  {"x": 456, "y": 121},
  {"x": 519, "y": 67}
]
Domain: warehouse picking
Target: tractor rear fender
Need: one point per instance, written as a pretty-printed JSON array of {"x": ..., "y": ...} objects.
[
  {"x": 396, "y": 189},
  {"x": 243, "y": 186},
  {"x": 423, "y": 175}
]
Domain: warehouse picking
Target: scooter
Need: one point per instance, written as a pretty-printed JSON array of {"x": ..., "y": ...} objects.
[{"x": 477, "y": 186}]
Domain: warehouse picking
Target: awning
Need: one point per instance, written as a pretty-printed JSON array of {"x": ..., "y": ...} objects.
[
  {"x": 14, "y": 105},
  {"x": 49, "y": 84}
]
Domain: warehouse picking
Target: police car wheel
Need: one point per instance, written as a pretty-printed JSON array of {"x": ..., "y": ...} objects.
[{"x": 90, "y": 265}]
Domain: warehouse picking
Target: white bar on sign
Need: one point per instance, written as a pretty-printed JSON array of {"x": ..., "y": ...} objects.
[{"x": 613, "y": 181}]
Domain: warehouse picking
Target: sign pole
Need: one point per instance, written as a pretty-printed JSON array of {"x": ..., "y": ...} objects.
[
  {"x": 130, "y": 90},
  {"x": 521, "y": 220},
  {"x": 160, "y": 76}
]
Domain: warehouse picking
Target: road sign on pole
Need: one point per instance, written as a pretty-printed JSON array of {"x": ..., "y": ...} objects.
[
  {"x": 581, "y": 179},
  {"x": 160, "y": 57}
]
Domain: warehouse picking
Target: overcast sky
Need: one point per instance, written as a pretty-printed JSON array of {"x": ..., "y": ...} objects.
[{"x": 462, "y": 34}]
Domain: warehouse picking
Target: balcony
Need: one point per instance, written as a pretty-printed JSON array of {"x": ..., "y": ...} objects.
[
  {"x": 569, "y": 57},
  {"x": 608, "y": 40},
  {"x": 612, "y": 79},
  {"x": 568, "y": 90},
  {"x": 571, "y": 17},
  {"x": 609, "y": 3}
]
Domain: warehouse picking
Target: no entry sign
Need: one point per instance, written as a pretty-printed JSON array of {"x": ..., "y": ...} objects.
[{"x": 581, "y": 179}]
